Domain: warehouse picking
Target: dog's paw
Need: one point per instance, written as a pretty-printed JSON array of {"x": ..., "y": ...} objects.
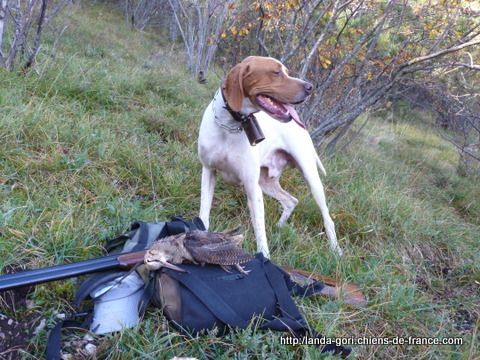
[{"x": 338, "y": 251}]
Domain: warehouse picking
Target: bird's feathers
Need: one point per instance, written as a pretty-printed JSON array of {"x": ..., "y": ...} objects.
[
  {"x": 216, "y": 248},
  {"x": 220, "y": 253},
  {"x": 198, "y": 246}
]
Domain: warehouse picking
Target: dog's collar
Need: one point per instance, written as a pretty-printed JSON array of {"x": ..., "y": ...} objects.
[
  {"x": 236, "y": 115},
  {"x": 248, "y": 123},
  {"x": 225, "y": 123}
]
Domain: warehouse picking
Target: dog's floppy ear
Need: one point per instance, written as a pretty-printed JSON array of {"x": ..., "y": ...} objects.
[{"x": 233, "y": 86}]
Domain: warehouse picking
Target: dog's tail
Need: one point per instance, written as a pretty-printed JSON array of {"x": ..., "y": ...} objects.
[{"x": 320, "y": 165}]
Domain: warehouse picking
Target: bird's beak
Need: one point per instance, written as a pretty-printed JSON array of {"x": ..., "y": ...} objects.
[{"x": 171, "y": 266}]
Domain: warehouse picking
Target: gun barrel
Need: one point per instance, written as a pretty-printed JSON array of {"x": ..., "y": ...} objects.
[{"x": 58, "y": 272}]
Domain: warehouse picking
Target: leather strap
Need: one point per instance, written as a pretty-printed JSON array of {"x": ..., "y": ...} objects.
[{"x": 236, "y": 115}]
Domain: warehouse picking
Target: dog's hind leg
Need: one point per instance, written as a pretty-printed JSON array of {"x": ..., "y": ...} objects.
[
  {"x": 308, "y": 167},
  {"x": 271, "y": 186}
]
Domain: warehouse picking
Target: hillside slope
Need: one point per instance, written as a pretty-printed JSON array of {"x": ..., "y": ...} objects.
[{"x": 104, "y": 133}]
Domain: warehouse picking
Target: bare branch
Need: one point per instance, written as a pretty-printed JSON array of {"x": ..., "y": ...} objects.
[
  {"x": 468, "y": 66},
  {"x": 36, "y": 43},
  {"x": 3, "y": 19},
  {"x": 460, "y": 147},
  {"x": 439, "y": 53},
  {"x": 308, "y": 60}
]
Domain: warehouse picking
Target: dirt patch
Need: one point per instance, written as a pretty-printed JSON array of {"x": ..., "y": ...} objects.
[
  {"x": 14, "y": 336},
  {"x": 16, "y": 326},
  {"x": 164, "y": 128},
  {"x": 453, "y": 287},
  {"x": 14, "y": 300},
  {"x": 449, "y": 289},
  {"x": 20, "y": 322},
  {"x": 465, "y": 319},
  {"x": 465, "y": 311}
]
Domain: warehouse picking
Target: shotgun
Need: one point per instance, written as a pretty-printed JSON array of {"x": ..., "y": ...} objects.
[
  {"x": 58, "y": 272},
  {"x": 333, "y": 288}
]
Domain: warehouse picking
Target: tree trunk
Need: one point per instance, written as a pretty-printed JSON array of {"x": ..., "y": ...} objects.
[
  {"x": 38, "y": 35},
  {"x": 3, "y": 20}
]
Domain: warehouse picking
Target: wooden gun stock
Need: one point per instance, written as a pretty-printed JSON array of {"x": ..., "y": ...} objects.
[{"x": 129, "y": 260}]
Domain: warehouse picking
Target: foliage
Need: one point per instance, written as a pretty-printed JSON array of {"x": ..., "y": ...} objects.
[
  {"x": 355, "y": 51},
  {"x": 358, "y": 53}
]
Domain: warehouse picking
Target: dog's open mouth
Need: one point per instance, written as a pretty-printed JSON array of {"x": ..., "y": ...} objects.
[{"x": 280, "y": 111}]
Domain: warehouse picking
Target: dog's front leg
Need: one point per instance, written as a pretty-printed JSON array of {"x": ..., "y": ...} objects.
[
  {"x": 257, "y": 213},
  {"x": 208, "y": 187}
]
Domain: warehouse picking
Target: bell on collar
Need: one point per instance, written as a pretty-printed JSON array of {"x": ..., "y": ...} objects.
[{"x": 252, "y": 130}]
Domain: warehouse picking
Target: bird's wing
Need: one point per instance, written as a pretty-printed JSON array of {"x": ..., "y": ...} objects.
[
  {"x": 235, "y": 235},
  {"x": 218, "y": 252},
  {"x": 207, "y": 237}
]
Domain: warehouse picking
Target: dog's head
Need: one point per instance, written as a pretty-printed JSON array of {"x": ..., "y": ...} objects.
[{"x": 264, "y": 84}]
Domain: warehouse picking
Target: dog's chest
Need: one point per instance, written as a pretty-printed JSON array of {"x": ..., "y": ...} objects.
[{"x": 235, "y": 167}]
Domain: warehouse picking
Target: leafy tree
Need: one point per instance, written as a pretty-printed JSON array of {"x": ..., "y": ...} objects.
[{"x": 356, "y": 52}]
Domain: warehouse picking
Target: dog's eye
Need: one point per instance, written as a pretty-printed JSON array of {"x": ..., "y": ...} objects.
[{"x": 276, "y": 73}]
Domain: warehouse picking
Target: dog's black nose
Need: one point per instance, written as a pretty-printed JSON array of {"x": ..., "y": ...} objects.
[{"x": 308, "y": 87}]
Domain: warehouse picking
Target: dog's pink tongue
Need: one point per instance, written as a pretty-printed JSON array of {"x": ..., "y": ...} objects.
[{"x": 293, "y": 113}]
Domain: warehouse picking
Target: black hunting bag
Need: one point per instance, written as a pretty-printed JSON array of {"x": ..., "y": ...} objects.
[
  {"x": 208, "y": 297},
  {"x": 204, "y": 297}
]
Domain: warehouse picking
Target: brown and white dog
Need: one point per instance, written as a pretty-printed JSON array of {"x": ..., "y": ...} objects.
[{"x": 262, "y": 86}]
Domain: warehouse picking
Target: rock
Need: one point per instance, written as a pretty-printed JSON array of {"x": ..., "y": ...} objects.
[
  {"x": 88, "y": 337},
  {"x": 90, "y": 349},
  {"x": 40, "y": 327}
]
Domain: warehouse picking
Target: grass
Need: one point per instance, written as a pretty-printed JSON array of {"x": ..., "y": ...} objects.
[{"x": 104, "y": 133}]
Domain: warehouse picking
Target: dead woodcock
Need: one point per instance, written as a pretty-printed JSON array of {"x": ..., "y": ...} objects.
[{"x": 200, "y": 247}]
